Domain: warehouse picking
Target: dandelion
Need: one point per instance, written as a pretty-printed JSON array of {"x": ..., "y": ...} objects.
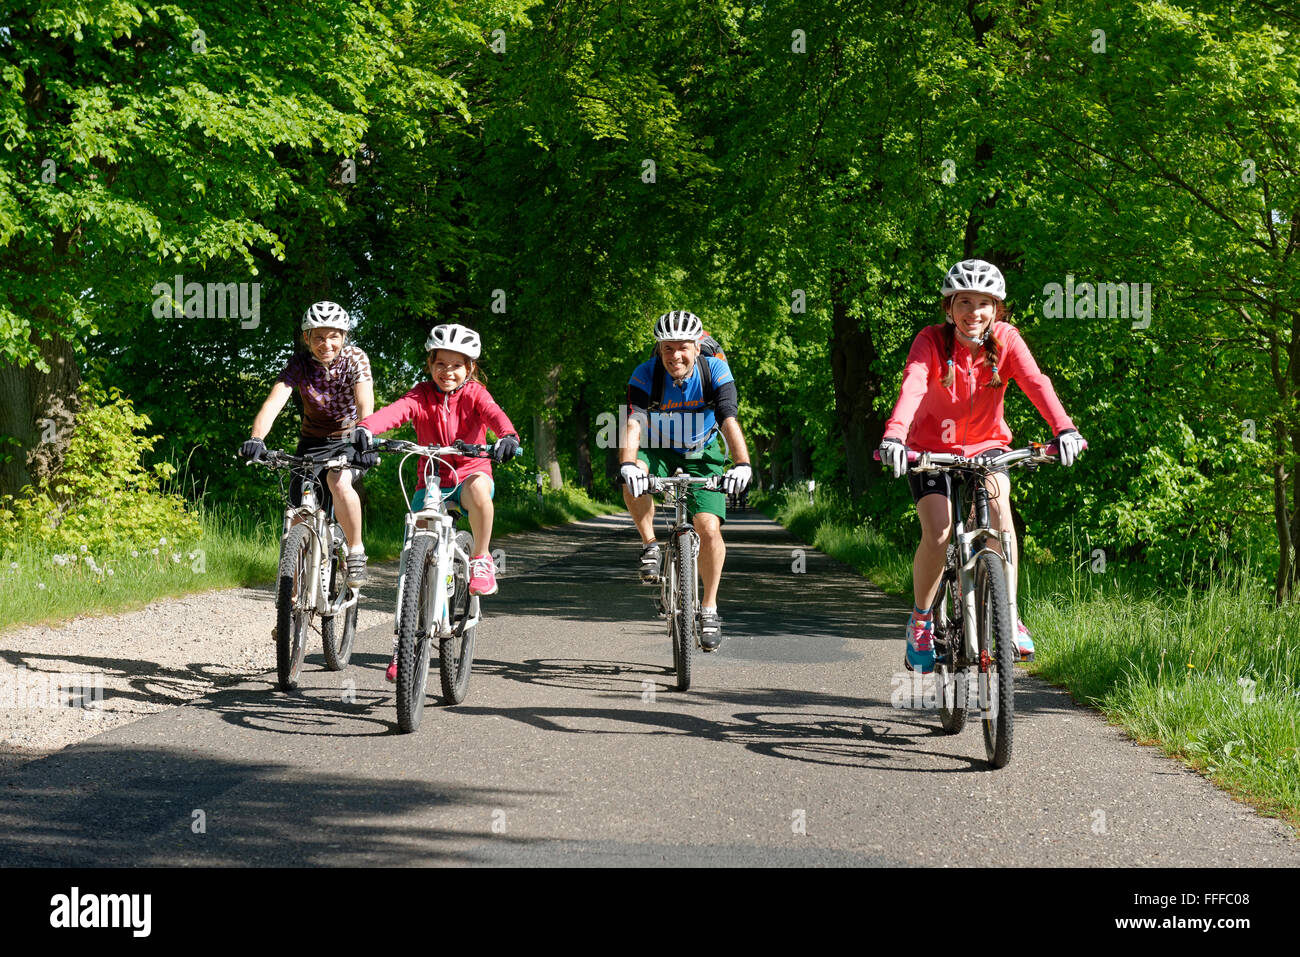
[
  {"x": 154, "y": 551},
  {"x": 108, "y": 571},
  {"x": 13, "y": 566},
  {"x": 176, "y": 556},
  {"x": 134, "y": 553},
  {"x": 162, "y": 541},
  {"x": 41, "y": 585},
  {"x": 83, "y": 548}
]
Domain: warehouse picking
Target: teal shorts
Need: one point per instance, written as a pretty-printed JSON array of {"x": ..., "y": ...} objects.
[
  {"x": 451, "y": 495},
  {"x": 709, "y": 460}
]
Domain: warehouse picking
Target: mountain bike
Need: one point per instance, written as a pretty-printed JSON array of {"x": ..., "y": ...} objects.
[
  {"x": 679, "y": 580},
  {"x": 312, "y": 576},
  {"x": 433, "y": 598},
  {"x": 974, "y": 611}
]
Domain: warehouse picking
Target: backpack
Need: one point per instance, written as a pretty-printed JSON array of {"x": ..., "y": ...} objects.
[{"x": 709, "y": 346}]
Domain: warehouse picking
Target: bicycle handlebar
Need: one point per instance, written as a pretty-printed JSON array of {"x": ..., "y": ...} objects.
[
  {"x": 459, "y": 447},
  {"x": 710, "y": 482},
  {"x": 326, "y": 458},
  {"x": 1034, "y": 454}
]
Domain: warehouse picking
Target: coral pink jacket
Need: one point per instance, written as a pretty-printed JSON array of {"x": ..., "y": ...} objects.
[
  {"x": 441, "y": 418},
  {"x": 966, "y": 419}
]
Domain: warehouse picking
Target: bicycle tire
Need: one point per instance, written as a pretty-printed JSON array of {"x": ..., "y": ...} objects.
[
  {"x": 413, "y": 641},
  {"x": 997, "y": 647},
  {"x": 338, "y": 640},
  {"x": 292, "y": 622},
  {"x": 950, "y": 679},
  {"x": 687, "y": 621},
  {"x": 456, "y": 651}
]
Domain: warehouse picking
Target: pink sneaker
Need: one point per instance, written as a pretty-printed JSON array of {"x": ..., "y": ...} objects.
[
  {"x": 1024, "y": 644},
  {"x": 391, "y": 673},
  {"x": 482, "y": 575},
  {"x": 920, "y": 646}
]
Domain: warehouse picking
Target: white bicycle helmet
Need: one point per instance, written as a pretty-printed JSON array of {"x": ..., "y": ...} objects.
[
  {"x": 678, "y": 325},
  {"x": 456, "y": 337},
  {"x": 326, "y": 315},
  {"x": 975, "y": 275}
]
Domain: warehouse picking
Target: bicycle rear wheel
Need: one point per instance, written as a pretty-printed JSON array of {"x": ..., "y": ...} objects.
[
  {"x": 338, "y": 631},
  {"x": 291, "y": 619},
  {"x": 686, "y": 613},
  {"x": 456, "y": 651},
  {"x": 413, "y": 642},
  {"x": 950, "y": 679},
  {"x": 998, "y": 654}
]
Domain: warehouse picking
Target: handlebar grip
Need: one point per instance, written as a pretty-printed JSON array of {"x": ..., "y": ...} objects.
[{"x": 911, "y": 456}]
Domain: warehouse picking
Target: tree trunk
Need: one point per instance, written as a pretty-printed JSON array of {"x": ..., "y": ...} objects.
[
  {"x": 856, "y": 386},
  {"x": 798, "y": 452},
  {"x": 774, "y": 453},
  {"x": 37, "y": 411},
  {"x": 582, "y": 425},
  {"x": 544, "y": 430},
  {"x": 1285, "y": 581}
]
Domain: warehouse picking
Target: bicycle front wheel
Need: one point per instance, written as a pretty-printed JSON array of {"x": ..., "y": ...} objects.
[
  {"x": 338, "y": 631},
  {"x": 997, "y": 650},
  {"x": 949, "y": 640},
  {"x": 413, "y": 641},
  {"x": 292, "y": 619},
  {"x": 456, "y": 651},
  {"x": 686, "y": 612}
]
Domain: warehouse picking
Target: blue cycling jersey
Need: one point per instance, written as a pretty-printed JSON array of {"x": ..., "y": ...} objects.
[{"x": 683, "y": 422}]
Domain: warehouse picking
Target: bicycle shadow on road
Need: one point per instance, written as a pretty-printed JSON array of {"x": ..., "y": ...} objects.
[
  {"x": 843, "y": 736},
  {"x": 103, "y": 805}
]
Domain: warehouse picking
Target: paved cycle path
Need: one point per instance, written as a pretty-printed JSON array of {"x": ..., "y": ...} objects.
[{"x": 572, "y": 747}]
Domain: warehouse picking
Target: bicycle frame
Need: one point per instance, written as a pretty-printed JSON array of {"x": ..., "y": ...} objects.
[
  {"x": 322, "y": 526},
  {"x": 435, "y": 521},
  {"x": 972, "y": 472}
]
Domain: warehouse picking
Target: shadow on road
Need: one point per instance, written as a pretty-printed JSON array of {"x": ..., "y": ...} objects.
[{"x": 112, "y": 806}]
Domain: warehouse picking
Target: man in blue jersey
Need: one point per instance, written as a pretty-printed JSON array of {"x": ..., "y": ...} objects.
[{"x": 680, "y": 405}]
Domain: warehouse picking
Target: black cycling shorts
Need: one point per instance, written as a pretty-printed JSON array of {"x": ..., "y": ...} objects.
[
  {"x": 938, "y": 483},
  {"x": 310, "y": 444}
]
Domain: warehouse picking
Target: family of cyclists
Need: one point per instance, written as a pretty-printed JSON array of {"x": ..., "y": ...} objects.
[{"x": 682, "y": 414}]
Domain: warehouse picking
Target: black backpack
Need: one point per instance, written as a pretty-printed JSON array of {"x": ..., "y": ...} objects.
[{"x": 709, "y": 346}]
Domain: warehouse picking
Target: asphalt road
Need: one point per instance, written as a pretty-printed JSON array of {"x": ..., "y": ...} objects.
[{"x": 572, "y": 748}]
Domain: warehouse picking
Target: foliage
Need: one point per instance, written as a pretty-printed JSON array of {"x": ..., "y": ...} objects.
[{"x": 103, "y": 502}]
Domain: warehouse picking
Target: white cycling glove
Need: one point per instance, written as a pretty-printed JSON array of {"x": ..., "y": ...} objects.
[
  {"x": 737, "y": 478},
  {"x": 636, "y": 479},
  {"x": 1070, "y": 444},
  {"x": 893, "y": 454}
]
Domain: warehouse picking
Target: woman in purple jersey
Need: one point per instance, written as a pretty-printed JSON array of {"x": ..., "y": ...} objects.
[{"x": 333, "y": 378}]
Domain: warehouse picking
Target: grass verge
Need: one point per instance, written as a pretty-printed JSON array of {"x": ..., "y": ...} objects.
[{"x": 38, "y": 585}]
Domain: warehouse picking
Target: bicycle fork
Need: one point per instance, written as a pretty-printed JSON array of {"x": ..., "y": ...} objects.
[{"x": 966, "y": 575}]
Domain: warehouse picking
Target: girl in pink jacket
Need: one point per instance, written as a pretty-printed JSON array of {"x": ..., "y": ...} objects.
[
  {"x": 951, "y": 401},
  {"x": 454, "y": 405}
]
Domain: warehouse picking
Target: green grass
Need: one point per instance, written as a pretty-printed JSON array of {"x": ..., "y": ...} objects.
[
  {"x": 1210, "y": 675},
  {"x": 823, "y": 526},
  {"x": 234, "y": 550}
]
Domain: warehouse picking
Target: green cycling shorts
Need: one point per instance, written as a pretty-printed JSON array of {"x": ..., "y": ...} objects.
[{"x": 710, "y": 460}]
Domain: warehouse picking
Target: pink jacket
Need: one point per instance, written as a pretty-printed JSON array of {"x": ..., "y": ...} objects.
[
  {"x": 441, "y": 418},
  {"x": 967, "y": 418}
]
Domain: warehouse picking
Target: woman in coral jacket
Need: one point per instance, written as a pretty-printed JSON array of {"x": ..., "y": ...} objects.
[
  {"x": 951, "y": 401},
  {"x": 454, "y": 405}
]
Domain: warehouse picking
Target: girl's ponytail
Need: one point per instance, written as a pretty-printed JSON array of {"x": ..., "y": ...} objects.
[{"x": 950, "y": 344}]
